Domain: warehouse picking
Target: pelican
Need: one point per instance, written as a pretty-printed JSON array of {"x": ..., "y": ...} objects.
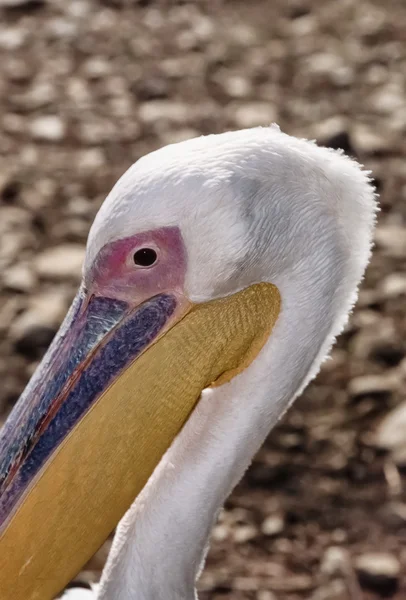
[{"x": 218, "y": 273}]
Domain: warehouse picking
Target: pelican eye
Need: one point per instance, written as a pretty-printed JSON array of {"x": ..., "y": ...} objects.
[{"x": 145, "y": 257}]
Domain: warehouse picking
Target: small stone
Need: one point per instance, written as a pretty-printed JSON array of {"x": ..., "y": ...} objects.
[
  {"x": 12, "y": 38},
  {"x": 96, "y": 131},
  {"x": 399, "y": 456},
  {"x": 332, "y": 67},
  {"x": 13, "y": 123},
  {"x": 33, "y": 330},
  {"x": 49, "y": 128},
  {"x": 245, "y": 584},
  {"x": 151, "y": 88},
  {"x": 339, "y": 536},
  {"x": 333, "y": 590},
  {"x": 78, "y": 207},
  {"x": 47, "y": 309},
  {"x": 368, "y": 139},
  {"x": 266, "y": 595},
  {"x": 365, "y": 318},
  {"x": 179, "y": 135},
  {"x": 324, "y": 63},
  {"x": 220, "y": 533},
  {"x": 370, "y": 341},
  {"x": 334, "y": 561},
  {"x": 90, "y": 159},
  {"x": 253, "y": 114},
  {"x": 394, "y": 514},
  {"x": 17, "y": 70},
  {"x": 236, "y": 86},
  {"x": 331, "y": 127},
  {"x": 78, "y": 8},
  {"x": 393, "y": 285},
  {"x": 243, "y": 35},
  {"x": 392, "y": 240},
  {"x": 391, "y": 431},
  {"x": 96, "y": 68},
  {"x": 372, "y": 384},
  {"x": 388, "y": 98},
  {"x": 273, "y": 525},
  {"x": 244, "y": 533},
  {"x": 158, "y": 110},
  {"x": 19, "y": 278},
  {"x": 378, "y": 571},
  {"x": 39, "y": 95},
  {"x": 61, "y": 262},
  {"x": 61, "y": 28}
]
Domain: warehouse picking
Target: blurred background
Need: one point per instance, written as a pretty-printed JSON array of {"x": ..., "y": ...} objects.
[{"x": 88, "y": 86}]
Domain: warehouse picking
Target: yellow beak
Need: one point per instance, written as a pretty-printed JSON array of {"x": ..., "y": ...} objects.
[{"x": 54, "y": 519}]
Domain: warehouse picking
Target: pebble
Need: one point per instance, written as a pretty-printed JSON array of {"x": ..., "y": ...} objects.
[
  {"x": 47, "y": 308},
  {"x": 370, "y": 139},
  {"x": 15, "y": 233},
  {"x": 13, "y": 123},
  {"x": 372, "y": 384},
  {"x": 98, "y": 131},
  {"x": 273, "y": 525},
  {"x": 244, "y": 533},
  {"x": 334, "y": 561},
  {"x": 252, "y": 114},
  {"x": 328, "y": 128},
  {"x": 19, "y": 278},
  {"x": 33, "y": 330},
  {"x": 378, "y": 570},
  {"x": 266, "y": 595},
  {"x": 49, "y": 128},
  {"x": 60, "y": 28},
  {"x": 61, "y": 262},
  {"x": 334, "y": 590},
  {"x": 236, "y": 86},
  {"x": 388, "y": 98},
  {"x": 391, "y": 431},
  {"x": 39, "y": 95},
  {"x": 392, "y": 240},
  {"x": 90, "y": 159},
  {"x": 158, "y": 110},
  {"x": 394, "y": 514},
  {"x": 331, "y": 66},
  {"x": 12, "y": 38},
  {"x": 179, "y": 134},
  {"x": 371, "y": 340},
  {"x": 16, "y": 69},
  {"x": 220, "y": 533},
  {"x": 96, "y": 68},
  {"x": 393, "y": 285}
]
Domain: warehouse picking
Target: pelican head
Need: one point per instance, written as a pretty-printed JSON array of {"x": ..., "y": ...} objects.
[{"x": 218, "y": 271}]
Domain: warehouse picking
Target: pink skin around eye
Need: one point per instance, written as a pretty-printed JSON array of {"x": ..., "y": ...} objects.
[{"x": 114, "y": 273}]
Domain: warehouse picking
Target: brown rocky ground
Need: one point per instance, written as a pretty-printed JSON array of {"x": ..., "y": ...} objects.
[{"x": 88, "y": 86}]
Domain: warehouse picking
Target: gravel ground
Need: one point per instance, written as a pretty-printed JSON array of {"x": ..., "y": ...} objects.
[{"x": 86, "y": 87}]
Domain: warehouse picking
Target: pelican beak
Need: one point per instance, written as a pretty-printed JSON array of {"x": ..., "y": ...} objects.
[{"x": 109, "y": 397}]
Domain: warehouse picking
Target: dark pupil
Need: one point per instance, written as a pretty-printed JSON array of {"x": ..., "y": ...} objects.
[{"x": 145, "y": 257}]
